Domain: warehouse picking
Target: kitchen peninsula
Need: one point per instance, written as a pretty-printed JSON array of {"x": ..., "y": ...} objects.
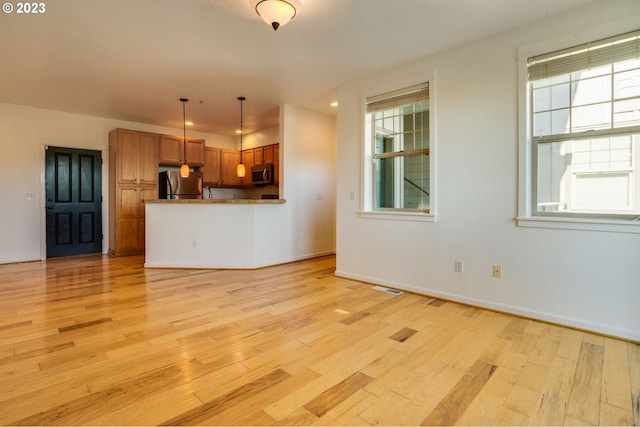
[{"x": 214, "y": 233}]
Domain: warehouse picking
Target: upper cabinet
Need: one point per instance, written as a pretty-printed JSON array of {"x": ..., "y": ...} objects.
[
  {"x": 137, "y": 156},
  {"x": 229, "y": 160},
  {"x": 172, "y": 151},
  {"x": 248, "y": 161},
  {"x": 195, "y": 152},
  {"x": 211, "y": 170},
  {"x": 276, "y": 164},
  {"x": 260, "y": 156},
  {"x": 263, "y": 155}
]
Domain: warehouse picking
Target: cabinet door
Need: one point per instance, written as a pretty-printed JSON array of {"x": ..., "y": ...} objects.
[
  {"x": 195, "y": 152},
  {"x": 144, "y": 194},
  {"x": 248, "y": 160},
  {"x": 171, "y": 150},
  {"x": 127, "y": 219},
  {"x": 258, "y": 156},
  {"x": 149, "y": 153},
  {"x": 211, "y": 169},
  {"x": 276, "y": 164},
  {"x": 127, "y": 156},
  {"x": 268, "y": 154},
  {"x": 228, "y": 163}
]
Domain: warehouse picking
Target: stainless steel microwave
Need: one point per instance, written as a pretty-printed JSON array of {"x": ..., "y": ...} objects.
[{"x": 262, "y": 174}]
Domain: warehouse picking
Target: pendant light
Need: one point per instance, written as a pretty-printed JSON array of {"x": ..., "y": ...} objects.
[
  {"x": 184, "y": 169},
  {"x": 240, "y": 170}
]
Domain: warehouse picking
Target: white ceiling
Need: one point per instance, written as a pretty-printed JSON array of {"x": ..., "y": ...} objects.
[{"x": 133, "y": 59}]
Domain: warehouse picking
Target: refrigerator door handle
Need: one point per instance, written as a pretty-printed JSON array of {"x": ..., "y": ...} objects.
[{"x": 170, "y": 195}]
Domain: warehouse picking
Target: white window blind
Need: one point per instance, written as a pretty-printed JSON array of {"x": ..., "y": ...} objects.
[
  {"x": 584, "y": 57},
  {"x": 408, "y": 96}
]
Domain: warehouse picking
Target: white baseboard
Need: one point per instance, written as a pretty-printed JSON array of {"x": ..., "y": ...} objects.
[
  {"x": 583, "y": 324},
  {"x": 252, "y": 266}
]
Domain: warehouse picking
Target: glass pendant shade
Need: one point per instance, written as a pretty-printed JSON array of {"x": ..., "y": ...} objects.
[
  {"x": 276, "y": 12},
  {"x": 184, "y": 171},
  {"x": 240, "y": 171}
]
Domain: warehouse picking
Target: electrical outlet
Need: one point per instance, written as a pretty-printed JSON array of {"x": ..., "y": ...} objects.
[
  {"x": 459, "y": 266},
  {"x": 497, "y": 271}
]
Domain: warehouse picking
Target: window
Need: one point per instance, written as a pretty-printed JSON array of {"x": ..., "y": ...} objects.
[
  {"x": 583, "y": 124},
  {"x": 397, "y": 139}
]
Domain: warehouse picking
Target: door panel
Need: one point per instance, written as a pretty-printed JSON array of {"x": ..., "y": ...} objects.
[{"x": 73, "y": 181}]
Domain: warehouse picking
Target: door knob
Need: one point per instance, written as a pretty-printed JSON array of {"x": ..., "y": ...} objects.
[{"x": 49, "y": 207}]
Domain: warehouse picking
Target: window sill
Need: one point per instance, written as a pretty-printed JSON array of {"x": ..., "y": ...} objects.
[
  {"x": 588, "y": 224},
  {"x": 399, "y": 216}
]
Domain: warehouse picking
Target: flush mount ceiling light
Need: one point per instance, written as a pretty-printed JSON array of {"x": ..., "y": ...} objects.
[
  {"x": 276, "y": 12},
  {"x": 184, "y": 169}
]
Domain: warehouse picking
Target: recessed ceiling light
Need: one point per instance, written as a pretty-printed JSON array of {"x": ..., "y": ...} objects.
[
  {"x": 188, "y": 123},
  {"x": 238, "y": 132},
  {"x": 334, "y": 104}
]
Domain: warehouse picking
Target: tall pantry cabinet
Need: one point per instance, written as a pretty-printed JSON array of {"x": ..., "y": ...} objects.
[{"x": 133, "y": 178}]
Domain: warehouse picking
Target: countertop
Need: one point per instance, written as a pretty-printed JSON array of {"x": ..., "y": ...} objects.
[{"x": 218, "y": 201}]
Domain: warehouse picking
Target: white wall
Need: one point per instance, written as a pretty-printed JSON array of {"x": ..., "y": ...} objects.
[
  {"x": 24, "y": 133},
  {"x": 308, "y": 180},
  {"x": 585, "y": 279},
  {"x": 260, "y": 138}
]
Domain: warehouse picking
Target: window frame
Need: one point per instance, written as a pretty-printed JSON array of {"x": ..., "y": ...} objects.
[
  {"x": 368, "y": 207},
  {"x": 527, "y": 159}
]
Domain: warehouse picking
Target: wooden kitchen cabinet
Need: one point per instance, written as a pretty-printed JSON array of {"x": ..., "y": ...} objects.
[
  {"x": 130, "y": 214},
  {"x": 133, "y": 177},
  {"x": 263, "y": 155},
  {"x": 229, "y": 160},
  {"x": 267, "y": 156},
  {"x": 137, "y": 156},
  {"x": 276, "y": 164},
  {"x": 211, "y": 170},
  {"x": 249, "y": 160},
  {"x": 260, "y": 156},
  {"x": 195, "y": 152},
  {"x": 172, "y": 151}
]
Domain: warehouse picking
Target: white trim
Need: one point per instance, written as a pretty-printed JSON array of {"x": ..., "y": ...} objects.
[
  {"x": 571, "y": 322},
  {"x": 398, "y": 216},
  {"x": 238, "y": 266},
  {"x": 525, "y": 216},
  {"x": 366, "y": 153},
  {"x": 573, "y": 223}
]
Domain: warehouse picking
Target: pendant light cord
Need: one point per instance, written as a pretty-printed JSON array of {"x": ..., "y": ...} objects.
[
  {"x": 241, "y": 99},
  {"x": 184, "y": 127}
]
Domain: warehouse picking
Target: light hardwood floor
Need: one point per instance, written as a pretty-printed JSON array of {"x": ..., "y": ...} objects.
[{"x": 102, "y": 341}]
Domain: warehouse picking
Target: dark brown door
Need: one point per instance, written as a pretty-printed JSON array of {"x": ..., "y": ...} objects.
[{"x": 73, "y": 180}]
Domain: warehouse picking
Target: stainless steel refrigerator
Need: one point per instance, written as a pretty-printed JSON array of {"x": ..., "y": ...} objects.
[{"x": 173, "y": 186}]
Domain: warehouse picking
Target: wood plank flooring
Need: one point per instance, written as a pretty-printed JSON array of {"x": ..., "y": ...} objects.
[{"x": 103, "y": 341}]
